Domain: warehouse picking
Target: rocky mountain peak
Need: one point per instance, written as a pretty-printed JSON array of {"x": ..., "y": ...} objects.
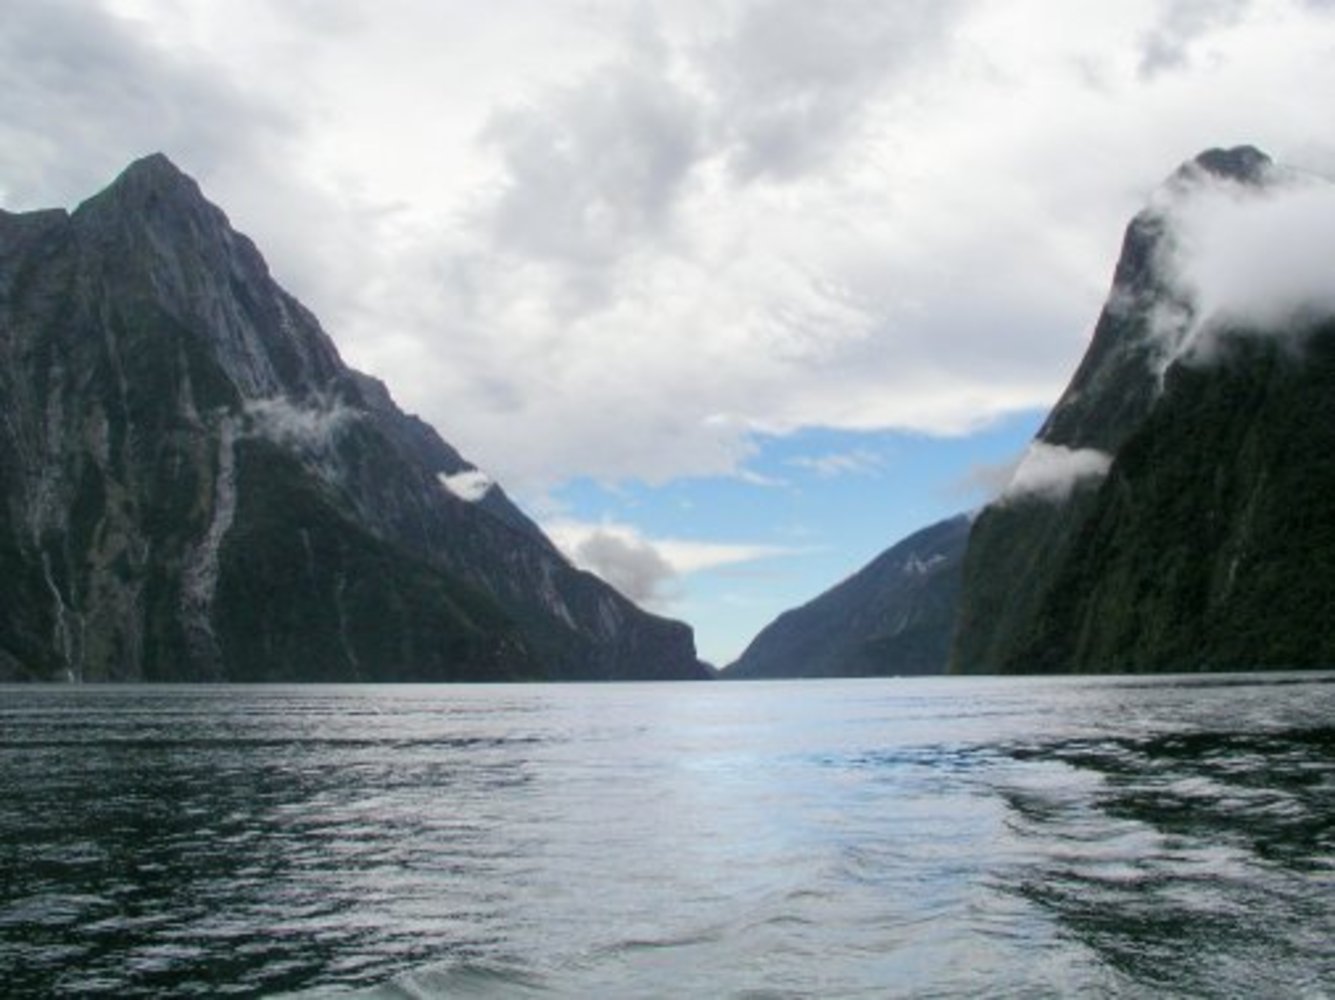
[
  {"x": 1244, "y": 164},
  {"x": 153, "y": 235},
  {"x": 1118, "y": 379},
  {"x": 156, "y": 170},
  {"x": 193, "y": 486},
  {"x": 154, "y": 192}
]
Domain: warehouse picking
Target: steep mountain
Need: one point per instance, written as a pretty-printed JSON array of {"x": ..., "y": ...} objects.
[
  {"x": 1173, "y": 512},
  {"x": 193, "y": 486},
  {"x": 894, "y": 616}
]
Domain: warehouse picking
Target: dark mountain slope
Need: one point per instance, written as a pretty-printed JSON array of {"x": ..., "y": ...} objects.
[
  {"x": 1211, "y": 545},
  {"x": 894, "y": 616},
  {"x": 194, "y": 486}
]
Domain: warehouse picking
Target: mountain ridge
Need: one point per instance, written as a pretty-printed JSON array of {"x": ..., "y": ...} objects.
[{"x": 894, "y": 616}]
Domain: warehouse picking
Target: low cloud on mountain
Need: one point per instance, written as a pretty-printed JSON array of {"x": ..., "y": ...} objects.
[
  {"x": 1255, "y": 259},
  {"x": 1051, "y": 471}
]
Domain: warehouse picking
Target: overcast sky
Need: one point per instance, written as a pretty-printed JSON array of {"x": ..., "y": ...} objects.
[{"x": 730, "y": 294}]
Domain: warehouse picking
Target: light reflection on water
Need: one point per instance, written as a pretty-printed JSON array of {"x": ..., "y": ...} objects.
[{"x": 1018, "y": 837}]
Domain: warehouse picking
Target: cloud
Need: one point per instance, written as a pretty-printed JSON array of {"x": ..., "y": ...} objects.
[
  {"x": 86, "y": 92},
  {"x": 583, "y": 242},
  {"x": 632, "y": 566},
  {"x": 302, "y": 428},
  {"x": 648, "y": 571},
  {"x": 645, "y": 313},
  {"x": 593, "y": 171},
  {"x": 1257, "y": 259},
  {"x": 1050, "y": 472},
  {"x": 1181, "y": 24},
  {"x": 792, "y": 80},
  {"x": 470, "y": 485},
  {"x": 859, "y": 462},
  {"x": 987, "y": 479},
  {"x": 696, "y": 557}
]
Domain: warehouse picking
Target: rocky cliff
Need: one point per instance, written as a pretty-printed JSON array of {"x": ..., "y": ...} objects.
[
  {"x": 895, "y": 616},
  {"x": 193, "y": 486},
  {"x": 1173, "y": 512}
]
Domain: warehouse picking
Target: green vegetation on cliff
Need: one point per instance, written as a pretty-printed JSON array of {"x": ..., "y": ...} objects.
[
  {"x": 1197, "y": 534},
  {"x": 1211, "y": 545}
]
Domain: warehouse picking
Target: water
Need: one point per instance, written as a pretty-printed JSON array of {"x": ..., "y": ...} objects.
[{"x": 924, "y": 838}]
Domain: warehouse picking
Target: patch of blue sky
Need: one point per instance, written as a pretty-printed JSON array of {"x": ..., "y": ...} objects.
[{"x": 821, "y": 503}]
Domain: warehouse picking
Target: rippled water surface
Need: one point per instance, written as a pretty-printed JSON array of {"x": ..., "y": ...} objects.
[{"x": 1016, "y": 837}]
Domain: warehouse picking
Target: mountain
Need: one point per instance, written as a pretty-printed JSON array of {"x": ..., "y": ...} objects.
[
  {"x": 894, "y": 616},
  {"x": 193, "y": 486},
  {"x": 1173, "y": 512}
]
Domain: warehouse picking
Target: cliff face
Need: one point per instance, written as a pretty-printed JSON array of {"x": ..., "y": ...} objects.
[
  {"x": 193, "y": 486},
  {"x": 1169, "y": 515},
  {"x": 895, "y": 616}
]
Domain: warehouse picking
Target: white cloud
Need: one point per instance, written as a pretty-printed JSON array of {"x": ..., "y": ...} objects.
[
  {"x": 1181, "y": 25},
  {"x": 1050, "y": 472},
  {"x": 85, "y": 93},
  {"x": 631, "y": 565},
  {"x": 859, "y": 462},
  {"x": 470, "y": 485},
  {"x": 697, "y": 557},
  {"x": 792, "y": 81},
  {"x": 647, "y": 570},
  {"x": 308, "y": 428},
  {"x": 1241, "y": 257},
  {"x": 593, "y": 171},
  {"x": 589, "y": 238}
]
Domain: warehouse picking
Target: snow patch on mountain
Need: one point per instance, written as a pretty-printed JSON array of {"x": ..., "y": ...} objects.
[{"x": 917, "y": 566}]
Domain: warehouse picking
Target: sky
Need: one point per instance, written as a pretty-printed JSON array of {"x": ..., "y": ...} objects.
[{"x": 729, "y": 295}]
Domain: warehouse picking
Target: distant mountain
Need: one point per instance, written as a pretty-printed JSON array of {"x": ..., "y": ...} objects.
[
  {"x": 193, "y": 486},
  {"x": 894, "y": 616},
  {"x": 1175, "y": 510}
]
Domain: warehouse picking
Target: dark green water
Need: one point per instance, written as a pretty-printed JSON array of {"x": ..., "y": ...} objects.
[{"x": 924, "y": 838}]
